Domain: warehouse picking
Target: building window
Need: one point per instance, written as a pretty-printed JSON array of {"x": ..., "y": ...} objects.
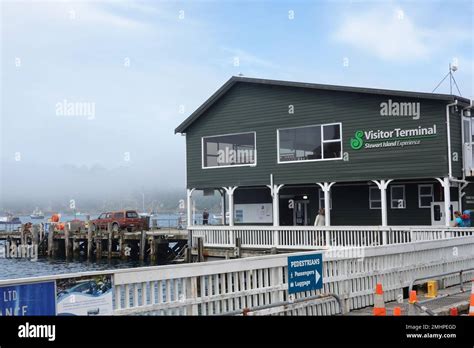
[
  {"x": 375, "y": 202},
  {"x": 425, "y": 195},
  {"x": 229, "y": 150},
  {"x": 397, "y": 197},
  {"x": 310, "y": 143},
  {"x": 321, "y": 199}
]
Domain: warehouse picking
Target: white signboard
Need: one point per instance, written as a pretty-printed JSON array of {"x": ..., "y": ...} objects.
[{"x": 253, "y": 213}]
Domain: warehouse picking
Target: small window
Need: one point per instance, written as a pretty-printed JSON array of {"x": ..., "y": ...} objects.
[
  {"x": 321, "y": 199},
  {"x": 132, "y": 215},
  {"x": 397, "y": 197},
  {"x": 118, "y": 215},
  {"x": 425, "y": 195},
  {"x": 375, "y": 202}
]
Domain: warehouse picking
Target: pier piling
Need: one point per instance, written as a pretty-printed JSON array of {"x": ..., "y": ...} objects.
[
  {"x": 89, "y": 242},
  {"x": 200, "y": 247},
  {"x": 142, "y": 245}
]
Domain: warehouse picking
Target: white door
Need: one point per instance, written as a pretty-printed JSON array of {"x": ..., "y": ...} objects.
[{"x": 437, "y": 213}]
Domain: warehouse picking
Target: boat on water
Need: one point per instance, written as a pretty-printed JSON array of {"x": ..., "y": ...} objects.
[
  {"x": 37, "y": 214},
  {"x": 10, "y": 220}
]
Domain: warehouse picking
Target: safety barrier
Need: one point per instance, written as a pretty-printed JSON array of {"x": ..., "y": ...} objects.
[{"x": 220, "y": 287}]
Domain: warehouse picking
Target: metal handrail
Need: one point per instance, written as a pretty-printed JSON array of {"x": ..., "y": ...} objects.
[
  {"x": 245, "y": 311},
  {"x": 440, "y": 275}
]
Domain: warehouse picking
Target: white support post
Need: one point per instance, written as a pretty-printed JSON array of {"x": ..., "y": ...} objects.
[
  {"x": 447, "y": 199},
  {"x": 274, "y": 191},
  {"x": 189, "y": 206},
  {"x": 326, "y": 187},
  {"x": 382, "y": 185},
  {"x": 230, "y": 191}
]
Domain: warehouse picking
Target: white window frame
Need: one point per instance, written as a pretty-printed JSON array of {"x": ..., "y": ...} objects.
[
  {"x": 374, "y": 200},
  {"x": 228, "y": 166},
  {"x": 396, "y": 200},
  {"x": 425, "y": 195},
  {"x": 322, "y": 143},
  {"x": 321, "y": 199}
]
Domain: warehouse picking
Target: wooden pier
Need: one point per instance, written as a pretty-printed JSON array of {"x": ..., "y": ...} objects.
[{"x": 155, "y": 246}]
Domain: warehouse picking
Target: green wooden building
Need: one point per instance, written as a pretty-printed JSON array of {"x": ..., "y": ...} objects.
[{"x": 282, "y": 150}]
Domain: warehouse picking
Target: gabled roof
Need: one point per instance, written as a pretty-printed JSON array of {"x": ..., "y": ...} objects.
[{"x": 238, "y": 79}]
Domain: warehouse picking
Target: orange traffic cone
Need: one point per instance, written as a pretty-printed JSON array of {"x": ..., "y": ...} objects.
[
  {"x": 379, "y": 304},
  {"x": 471, "y": 304},
  {"x": 397, "y": 311},
  {"x": 411, "y": 303}
]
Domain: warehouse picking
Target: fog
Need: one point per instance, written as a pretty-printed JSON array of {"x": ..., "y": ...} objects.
[
  {"x": 90, "y": 100},
  {"x": 91, "y": 91}
]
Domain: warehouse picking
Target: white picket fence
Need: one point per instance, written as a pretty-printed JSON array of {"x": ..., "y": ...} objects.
[
  {"x": 310, "y": 238},
  {"x": 220, "y": 287}
]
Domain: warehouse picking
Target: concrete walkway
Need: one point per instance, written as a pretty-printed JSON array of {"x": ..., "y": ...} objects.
[{"x": 447, "y": 298}]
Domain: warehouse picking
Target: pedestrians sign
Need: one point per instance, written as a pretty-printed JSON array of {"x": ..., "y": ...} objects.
[{"x": 305, "y": 273}]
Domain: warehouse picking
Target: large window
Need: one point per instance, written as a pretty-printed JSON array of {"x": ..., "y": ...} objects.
[
  {"x": 229, "y": 150},
  {"x": 310, "y": 143},
  {"x": 375, "y": 200},
  {"x": 397, "y": 197},
  {"x": 425, "y": 195}
]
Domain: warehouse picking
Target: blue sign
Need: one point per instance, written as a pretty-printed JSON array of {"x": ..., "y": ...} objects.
[
  {"x": 28, "y": 299},
  {"x": 305, "y": 273}
]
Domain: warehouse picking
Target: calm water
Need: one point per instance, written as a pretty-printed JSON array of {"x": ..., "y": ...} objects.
[{"x": 23, "y": 268}]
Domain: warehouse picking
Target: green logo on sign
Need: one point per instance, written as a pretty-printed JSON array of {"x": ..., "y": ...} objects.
[{"x": 358, "y": 141}]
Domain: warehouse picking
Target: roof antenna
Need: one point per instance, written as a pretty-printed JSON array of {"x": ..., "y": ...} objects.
[{"x": 452, "y": 68}]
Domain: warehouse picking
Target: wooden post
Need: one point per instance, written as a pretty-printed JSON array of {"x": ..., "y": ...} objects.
[
  {"x": 22, "y": 234},
  {"x": 35, "y": 234},
  {"x": 189, "y": 255},
  {"x": 75, "y": 247},
  {"x": 200, "y": 247},
  {"x": 66, "y": 240},
  {"x": 98, "y": 249},
  {"x": 123, "y": 246},
  {"x": 142, "y": 245},
  {"x": 89, "y": 242},
  {"x": 109, "y": 245},
  {"x": 238, "y": 249},
  {"x": 50, "y": 240},
  {"x": 153, "y": 249}
]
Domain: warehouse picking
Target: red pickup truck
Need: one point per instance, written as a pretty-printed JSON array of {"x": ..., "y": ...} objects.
[{"x": 120, "y": 220}]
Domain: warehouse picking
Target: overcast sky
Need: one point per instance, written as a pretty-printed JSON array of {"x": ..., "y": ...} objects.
[{"x": 141, "y": 67}]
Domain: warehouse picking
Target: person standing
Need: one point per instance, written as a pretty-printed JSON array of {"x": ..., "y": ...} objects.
[
  {"x": 458, "y": 221},
  {"x": 466, "y": 217},
  {"x": 205, "y": 217},
  {"x": 320, "y": 219}
]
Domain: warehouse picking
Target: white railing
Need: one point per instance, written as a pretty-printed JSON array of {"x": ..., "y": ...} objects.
[
  {"x": 310, "y": 238},
  {"x": 219, "y": 287}
]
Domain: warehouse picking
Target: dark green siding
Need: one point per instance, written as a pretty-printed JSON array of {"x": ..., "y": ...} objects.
[
  {"x": 456, "y": 144},
  {"x": 264, "y": 109}
]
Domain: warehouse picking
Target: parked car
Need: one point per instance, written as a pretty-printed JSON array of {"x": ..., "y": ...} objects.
[{"x": 121, "y": 220}]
